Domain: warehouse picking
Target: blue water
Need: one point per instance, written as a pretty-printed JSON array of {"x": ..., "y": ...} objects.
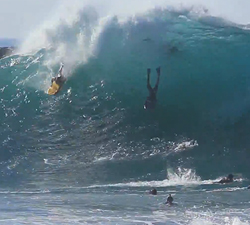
[{"x": 90, "y": 154}]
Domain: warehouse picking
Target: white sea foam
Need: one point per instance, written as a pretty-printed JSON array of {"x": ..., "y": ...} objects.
[{"x": 182, "y": 176}]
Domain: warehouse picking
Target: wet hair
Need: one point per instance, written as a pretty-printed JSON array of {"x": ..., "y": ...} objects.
[
  {"x": 230, "y": 176},
  {"x": 153, "y": 192}
]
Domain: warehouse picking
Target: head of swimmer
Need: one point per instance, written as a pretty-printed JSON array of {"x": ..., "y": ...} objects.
[
  {"x": 153, "y": 192},
  {"x": 230, "y": 177}
]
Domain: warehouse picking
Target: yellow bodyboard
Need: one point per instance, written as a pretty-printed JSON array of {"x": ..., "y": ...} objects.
[{"x": 54, "y": 88}]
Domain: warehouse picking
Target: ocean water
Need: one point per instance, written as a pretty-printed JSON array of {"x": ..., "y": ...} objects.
[{"x": 90, "y": 154}]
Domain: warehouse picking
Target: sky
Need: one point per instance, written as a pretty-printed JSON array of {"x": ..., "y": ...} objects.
[{"x": 19, "y": 17}]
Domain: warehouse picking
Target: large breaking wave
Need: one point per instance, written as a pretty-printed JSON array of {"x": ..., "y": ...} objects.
[{"x": 203, "y": 95}]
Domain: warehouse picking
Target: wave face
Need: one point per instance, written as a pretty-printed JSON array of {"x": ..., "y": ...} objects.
[{"x": 97, "y": 123}]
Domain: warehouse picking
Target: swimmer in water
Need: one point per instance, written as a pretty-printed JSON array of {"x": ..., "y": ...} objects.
[
  {"x": 169, "y": 200},
  {"x": 227, "y": 179},
  {"x": 153, "y": 192},
  {"x": 59, "y": 79},
  {"x": 151, "y": 99}
]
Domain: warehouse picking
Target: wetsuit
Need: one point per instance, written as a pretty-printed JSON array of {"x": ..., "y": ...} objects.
[
  {"x": 151, "y": 100},
  {"x": 170, "y": 200},
  {"x": 59, "y": 79}
]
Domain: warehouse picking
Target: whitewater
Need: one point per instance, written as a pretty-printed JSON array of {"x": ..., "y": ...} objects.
[{"x": 91, "y": 154}]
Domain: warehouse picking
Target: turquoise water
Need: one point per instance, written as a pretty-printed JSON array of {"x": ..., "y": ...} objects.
[{"x": 92, "y": 153}]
